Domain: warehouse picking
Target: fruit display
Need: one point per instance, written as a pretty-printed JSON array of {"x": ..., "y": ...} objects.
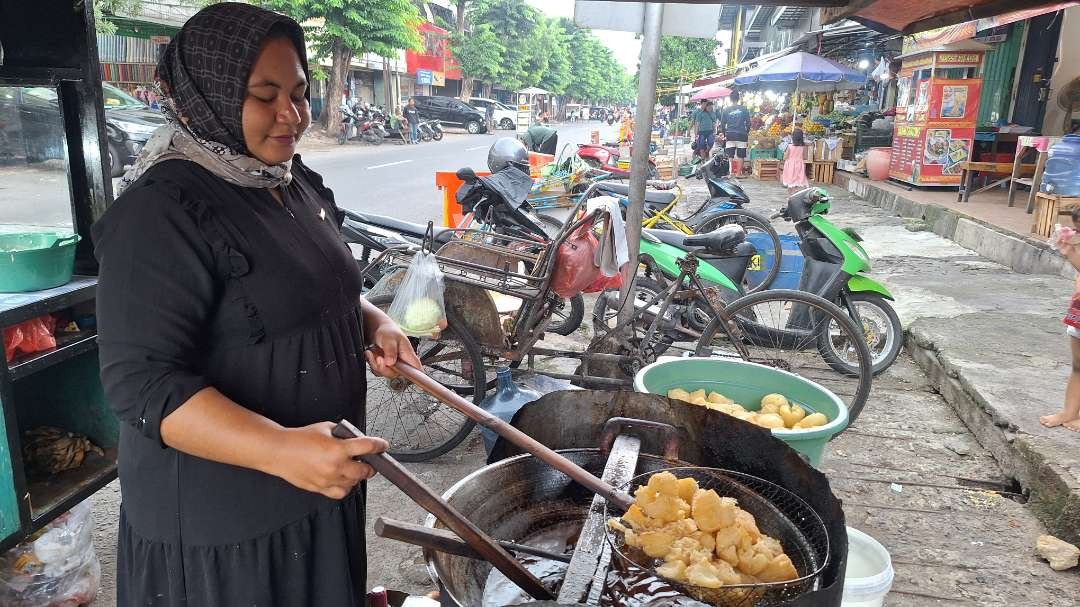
[
  {"x": 811, "y": 127},
  {"x": 703, "y": 539},
  {"x": 776, "y": 413}
]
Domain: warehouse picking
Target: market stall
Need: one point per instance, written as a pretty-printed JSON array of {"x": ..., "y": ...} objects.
[{"x": 937, "y": 109}]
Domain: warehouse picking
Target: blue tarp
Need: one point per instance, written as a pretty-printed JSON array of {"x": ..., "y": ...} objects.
[{"x": 802, "y": 72}]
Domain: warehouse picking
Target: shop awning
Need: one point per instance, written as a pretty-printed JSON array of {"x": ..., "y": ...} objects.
[{"x": 910, "y": 17}]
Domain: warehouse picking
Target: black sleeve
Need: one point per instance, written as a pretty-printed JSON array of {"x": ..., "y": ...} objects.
[{"x": 156, "y": 290}]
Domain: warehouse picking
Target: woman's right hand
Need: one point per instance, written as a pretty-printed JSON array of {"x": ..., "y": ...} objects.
[{"x": 310, "y": 458}]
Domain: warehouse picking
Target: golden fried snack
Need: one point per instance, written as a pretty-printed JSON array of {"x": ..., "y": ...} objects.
[
  {"x": 702, "y": 538},
  {"x": 791, "y": 414},
  {"x": 814, "y": 420},
  {"x": 678, "y": 394}
]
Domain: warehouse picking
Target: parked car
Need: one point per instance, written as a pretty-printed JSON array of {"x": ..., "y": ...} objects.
[
  {"x": 505, "y": 117},
  {"x": 451, "y": 112},
  {"x": 128, "y": 124}
]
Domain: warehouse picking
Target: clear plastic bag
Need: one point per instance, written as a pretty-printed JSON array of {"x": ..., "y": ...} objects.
[
  {"x": 418, "y": 307},
  {"x": 56, "y": 567}
]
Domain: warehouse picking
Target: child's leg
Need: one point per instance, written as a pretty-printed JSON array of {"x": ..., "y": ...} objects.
[{"x": 1069, "y": 416}]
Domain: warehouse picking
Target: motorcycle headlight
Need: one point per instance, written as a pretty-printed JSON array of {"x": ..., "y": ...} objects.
[{"x": 134, "y": 128}]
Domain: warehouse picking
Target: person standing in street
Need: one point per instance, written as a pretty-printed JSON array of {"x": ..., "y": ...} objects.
[
  {"x": 489, "y": 117},
  {"x": 794, "y": 176},
  {"x": 735, "y": 125},
  {"x": 412, "y": 116},
  {"x": 703, "y": 123}
]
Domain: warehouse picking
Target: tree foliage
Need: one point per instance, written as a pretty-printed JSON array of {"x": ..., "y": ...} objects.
[
  {"x": 684, "y": 59},
  {"x": 127, "y": 7},
  {"x": 553, "y": 54}
]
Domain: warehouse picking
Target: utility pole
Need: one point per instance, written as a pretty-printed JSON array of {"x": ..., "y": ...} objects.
[{"x": 639, "y": 154}]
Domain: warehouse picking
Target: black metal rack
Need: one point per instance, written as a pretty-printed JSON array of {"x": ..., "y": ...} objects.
[{"x": 52, "y": 44}]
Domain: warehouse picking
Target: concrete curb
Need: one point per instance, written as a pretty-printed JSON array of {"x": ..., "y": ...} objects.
[
  {"x": 1055, "y": 492},
  {"x": 1022, "y": 253}
]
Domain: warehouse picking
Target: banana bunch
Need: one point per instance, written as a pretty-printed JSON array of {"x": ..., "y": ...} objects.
[{"x": 48, "y": 450}]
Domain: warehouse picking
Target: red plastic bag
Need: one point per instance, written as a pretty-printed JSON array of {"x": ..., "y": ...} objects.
[
  {"x": 574, "y": 268},
  {"x": 31, "y": 336},
  {"x": 605, "y": 283}
]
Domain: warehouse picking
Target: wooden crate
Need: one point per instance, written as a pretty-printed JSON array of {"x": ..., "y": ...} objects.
[
  {"x": 822, "y": 171},
  {"x": 665, "y": 171},
  {"x": 1048, "y": 211},
  {"x": 765, "y": 168}
]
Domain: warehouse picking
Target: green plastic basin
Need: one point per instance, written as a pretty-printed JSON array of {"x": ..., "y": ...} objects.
[
  {"x": 747, "y": 383},
  {"x": 32, "y": 261}
]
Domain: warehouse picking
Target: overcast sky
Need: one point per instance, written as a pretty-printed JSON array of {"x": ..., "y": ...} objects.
[{"x": 625, "y": 46}]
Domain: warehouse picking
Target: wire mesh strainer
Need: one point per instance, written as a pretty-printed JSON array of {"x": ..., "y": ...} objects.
[{"x": 779, "y": 513}]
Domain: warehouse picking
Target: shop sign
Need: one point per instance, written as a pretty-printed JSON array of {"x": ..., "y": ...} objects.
[
  {"x": 423, "y": 77},
  {"x": 438, "y": 78},
  {"x": 160, "y": 39},
  {"x": 959, "y": 58},
  {"x": 915, "y": 63}
]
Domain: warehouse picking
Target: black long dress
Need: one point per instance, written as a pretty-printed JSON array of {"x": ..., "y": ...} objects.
[{"x": 204, "y": 283}]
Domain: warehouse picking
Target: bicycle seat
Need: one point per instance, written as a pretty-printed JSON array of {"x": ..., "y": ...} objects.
[
  {"x": 661, "y": 199},
  {"x": 721, "y": 240}
]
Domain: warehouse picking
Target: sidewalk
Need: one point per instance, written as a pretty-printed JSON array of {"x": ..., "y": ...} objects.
[
  {"x": 989, "y": 336},
  {"x": 985, "y": 224}
]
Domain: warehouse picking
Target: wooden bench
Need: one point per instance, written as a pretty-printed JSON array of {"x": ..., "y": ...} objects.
[
  {"x": 969, "y": 169},
  {"x": 1048, "y": 210}
]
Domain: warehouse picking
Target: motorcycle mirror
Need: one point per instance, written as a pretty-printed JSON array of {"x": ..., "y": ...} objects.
[{"x": 466, "y": 174}]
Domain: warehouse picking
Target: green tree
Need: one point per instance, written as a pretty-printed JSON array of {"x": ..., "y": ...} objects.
[
  {"x": 112, "y": 7},
  {"x": 479, "y": 56},
  {"x": 683, "y": 60},
  {"x": 513, "y": 22},
  {"x": 549, "y": 56},
  {"x": 343, "y": 29}
]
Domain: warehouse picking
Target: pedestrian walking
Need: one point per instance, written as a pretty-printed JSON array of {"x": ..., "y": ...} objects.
[
  {"x": 735, "y": 125},
  {"x": 1068, "y": 243},
  {"x": 232, "y": 333},
  {"x": 489, "y": 117},
  {"x": 703, "y": 124},
  {"x": 412, "y": 116},
  {"x": 794, "y": 176}
]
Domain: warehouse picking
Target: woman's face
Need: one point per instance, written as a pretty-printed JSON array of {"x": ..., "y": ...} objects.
[{"x": 276, "y": 112}]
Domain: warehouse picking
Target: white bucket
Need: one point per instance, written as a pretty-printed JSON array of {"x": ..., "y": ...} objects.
[{"x": 869, "y": 571}]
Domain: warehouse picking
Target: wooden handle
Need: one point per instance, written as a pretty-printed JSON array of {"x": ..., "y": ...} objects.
[
  {"x": 577, "y": 473},
  {"x": 445, "y": 541},
  {"x": 433, "y": 503}
]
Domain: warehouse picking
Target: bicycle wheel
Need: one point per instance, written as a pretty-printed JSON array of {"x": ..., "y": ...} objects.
[
  {"x": 417, "y": 426},
  {"x": 761, "y": 233},
  {"x": 788, "y": 330}
]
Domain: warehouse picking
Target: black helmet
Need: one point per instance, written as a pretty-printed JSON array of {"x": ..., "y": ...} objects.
[{"x": 508, "y": 151}]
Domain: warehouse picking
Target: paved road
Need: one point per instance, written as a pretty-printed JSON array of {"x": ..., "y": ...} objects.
[{"x": 399, "y": 180}]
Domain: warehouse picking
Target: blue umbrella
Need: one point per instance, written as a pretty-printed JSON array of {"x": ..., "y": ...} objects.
[{"x": 803, "y": 72}]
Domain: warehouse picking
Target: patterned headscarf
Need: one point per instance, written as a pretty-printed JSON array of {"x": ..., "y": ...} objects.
[{"x": 203, "y": 77}]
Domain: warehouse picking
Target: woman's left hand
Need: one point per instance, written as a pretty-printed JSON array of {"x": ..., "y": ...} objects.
[{"x": 393, "y": 346}]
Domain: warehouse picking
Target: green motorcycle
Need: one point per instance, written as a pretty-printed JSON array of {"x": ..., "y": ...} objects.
[{"x": 835, "y": 267}]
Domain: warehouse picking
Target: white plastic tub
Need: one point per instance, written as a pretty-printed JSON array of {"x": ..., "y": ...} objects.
[{"x": 869, "y": 573}]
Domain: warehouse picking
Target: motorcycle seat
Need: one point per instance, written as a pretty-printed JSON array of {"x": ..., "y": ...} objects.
[
  {"x": 407, "y": 228},
  {"x": 653, "y": 198},
  {"x": 720, "y": 240}
]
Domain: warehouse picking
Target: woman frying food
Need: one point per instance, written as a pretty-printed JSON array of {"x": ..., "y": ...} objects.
[{"x": 232, "y": 335}]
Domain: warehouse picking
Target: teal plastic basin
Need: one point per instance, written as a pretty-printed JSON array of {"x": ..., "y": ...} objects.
[
  {"x": 747, "y": 383},
  {"x": 32, "y": 261}
]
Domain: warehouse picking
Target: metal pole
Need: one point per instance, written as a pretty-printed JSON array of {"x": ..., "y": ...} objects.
[{"x": 639, "y": 154}]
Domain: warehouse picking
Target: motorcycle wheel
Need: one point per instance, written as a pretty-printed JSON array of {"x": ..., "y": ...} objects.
[
  {"x": 426, "y": 136},
  {"x": 751, "y": 222},
  {"x": 881, "y": 327},
  {"x": 437, "y": 135},
  {"x": 653, "y": 173}
]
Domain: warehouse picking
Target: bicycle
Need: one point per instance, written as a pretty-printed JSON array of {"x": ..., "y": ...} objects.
[{"x": 756, "y": 328}]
